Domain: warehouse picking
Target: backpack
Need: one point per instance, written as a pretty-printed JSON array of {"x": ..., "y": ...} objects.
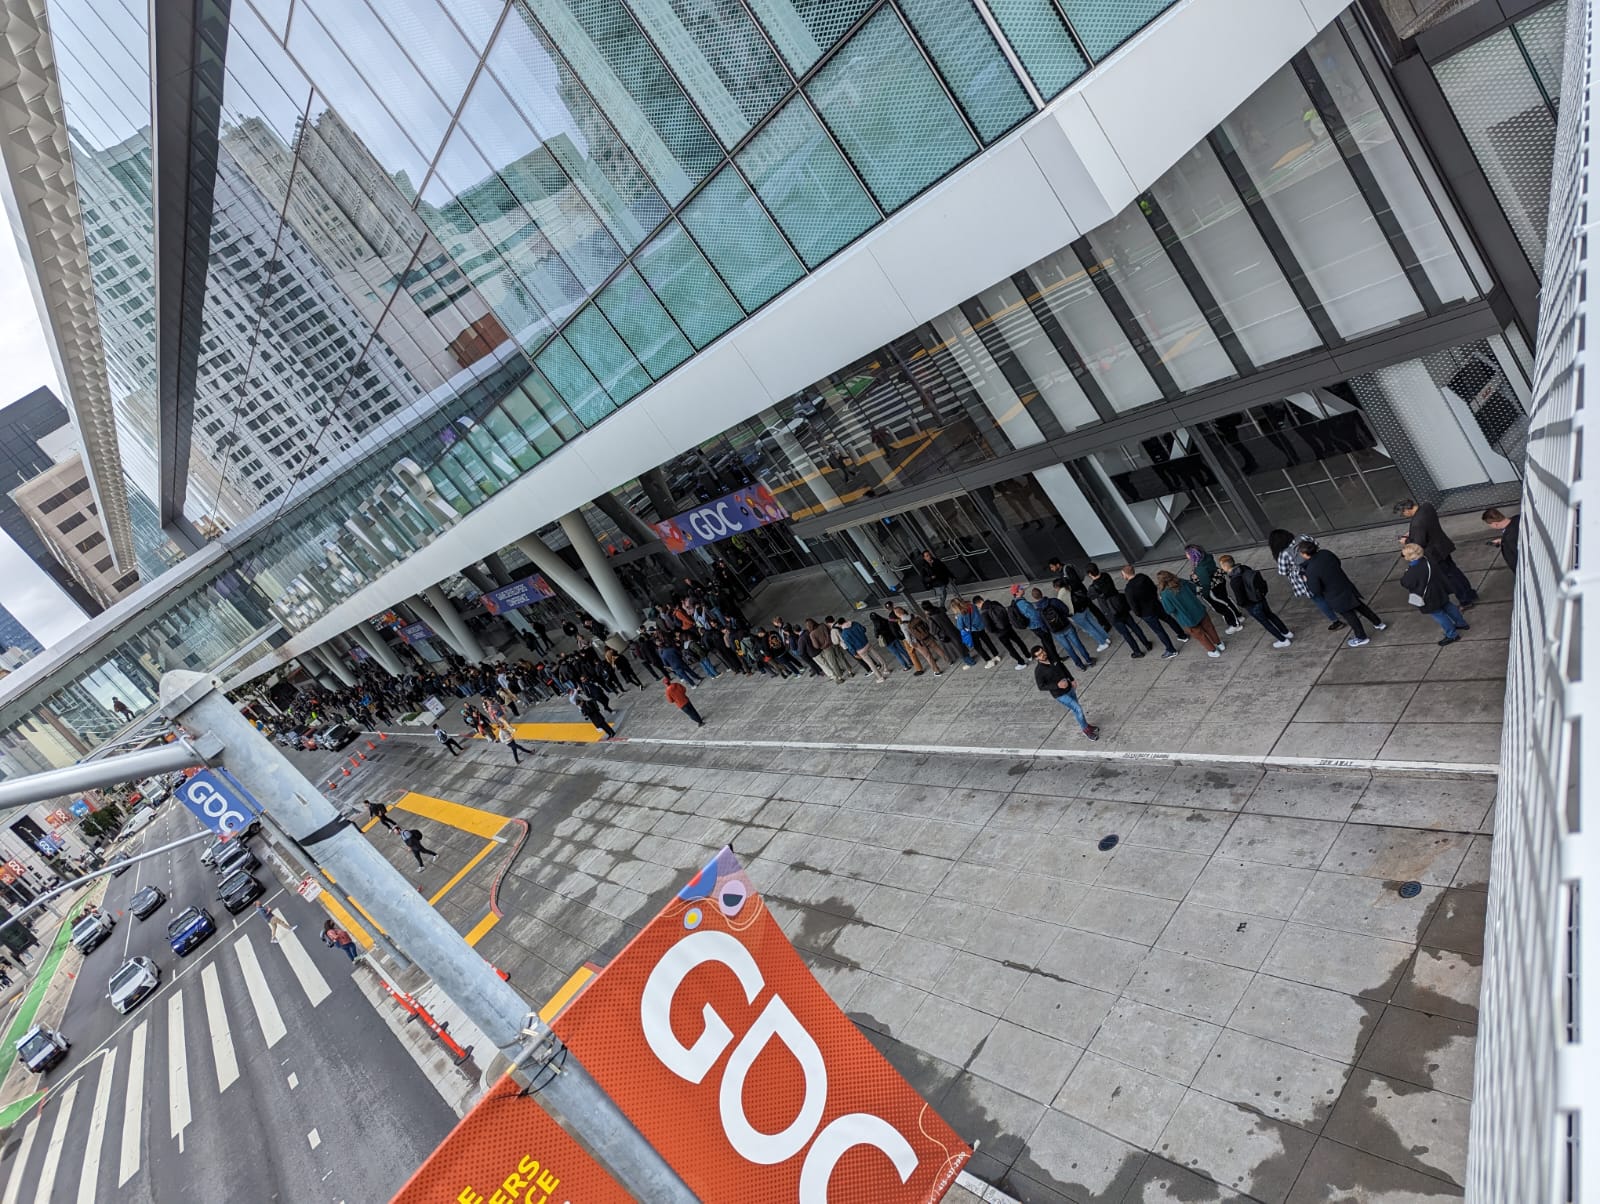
[{"x": 1054, "y": 617}]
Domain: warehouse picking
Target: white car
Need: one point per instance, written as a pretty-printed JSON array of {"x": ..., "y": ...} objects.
[
  {"x": 40, "y": 1048},
  {"x": 138, "y": 977},
  {"x": 91, "y": 929}
]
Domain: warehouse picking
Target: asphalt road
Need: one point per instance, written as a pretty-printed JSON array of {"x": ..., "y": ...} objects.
[{"x": 256, "y": 1072}]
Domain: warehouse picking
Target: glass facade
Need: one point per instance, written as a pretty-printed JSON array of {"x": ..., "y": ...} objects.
[{"x": 448, "y": 239}]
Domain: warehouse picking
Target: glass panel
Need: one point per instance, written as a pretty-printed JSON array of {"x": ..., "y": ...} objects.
[
  {"x": 454, "y": 486},
  {"x": 1039, "y": 36},
  {"x": 532, "y": 423},
  {"x": 889, "y": 113},
  {"x": 970, "y": 60},
  {"x": 576, "y": 384},
  {"x": 739, "y": 239},
  {"x": 807, "y": 185},
  {"x": 1508, "y": 124},
  {"x": 1325, "y": 220},
  {"x": 1058, "y": 388},
  {"x": 476, "y": 468},
  {"x": 430, "y": 39},
  {"x": 591, "y": 336},
  {"x": 1069, "y": 293},
  {"x": 1230, "y": 255},
  {"x": 549, "y": 403},
  {"x": 1130, "y": 253},
  {"x": 722, "y": 58},
  {"x": 687, "y": 286},
  {"x": 511, "y": 436},
  {"x": 643, "y": 324},
  {"x": 1544, "y": 37},
  {"x": 483, "y": 443},
  {"x": 1103, "y": 25},
  {"x": 803, "y": 29},
  {"x": 1376, "y": 138}
]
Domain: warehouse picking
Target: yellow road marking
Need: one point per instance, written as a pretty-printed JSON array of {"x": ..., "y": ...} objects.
[
  {"x": 481, "y": 928},
  {"x": 452, "y": 815},
  {"x": 564, "y": 996},
  {"x": 368, "y": 826},
  {"x": 571, "y": 733},
  {"x": 463, "y": 872}
]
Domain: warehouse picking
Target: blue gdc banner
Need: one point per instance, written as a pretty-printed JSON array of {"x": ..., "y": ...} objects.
[
  {"x": 517, "y": 595},
  {"x": 412, "y": 632},
  {"x": 742, "y": 510},
  {"x": 218, "y": 801}
]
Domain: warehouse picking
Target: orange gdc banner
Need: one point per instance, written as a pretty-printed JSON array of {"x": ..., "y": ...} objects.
[
  {"x": 712, "y": 1036},
  {"x": 508, "y": 1150}
]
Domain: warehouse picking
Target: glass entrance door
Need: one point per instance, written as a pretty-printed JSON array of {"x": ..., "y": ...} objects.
[{"x": 958, "y": 531}]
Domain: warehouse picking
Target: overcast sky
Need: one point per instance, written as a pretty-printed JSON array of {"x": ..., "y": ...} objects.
[{"x": 24, "y": 590}]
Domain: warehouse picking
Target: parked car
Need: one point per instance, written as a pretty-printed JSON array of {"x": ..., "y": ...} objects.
[
  {"x": 338, "y": 736},
  {"x": 41, "y": 1048},
  {"x": 146, "y": 900},
  {"x": 138, "y": 977},
  {"x": 239, "y": 891},
  {"x": 191, "y": 927},
  {"x": 234, "y": 857},
  {"x": 90, "y": 931}
]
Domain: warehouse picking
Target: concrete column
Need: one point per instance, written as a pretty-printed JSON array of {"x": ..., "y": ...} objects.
[
  {"x": 378, "y": 649},
  {"x": 561, "y": 575},
  {"x": 481, "y": 580},
  {"x": 440, "y": 613},
  {"x": 624, "y": 614},
  {"x": 629, "y": 523},
  {"x": 334, "y": 659},
  {"x": 497, "y": 569},
  {"x": 317, "y": 670}
]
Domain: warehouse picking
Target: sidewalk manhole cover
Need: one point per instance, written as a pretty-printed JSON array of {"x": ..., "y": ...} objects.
[
  {"x": 1410, "y": 890},
  {"x": 1107, "y": 843}
]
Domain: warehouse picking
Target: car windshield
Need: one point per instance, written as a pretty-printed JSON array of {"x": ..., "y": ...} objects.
[
  {"x": 34, "y": 1046},
  {"x": 235, "y": 883},
  {"x": 185, "y": 918},
  {"x": 87, "y": 924},
  {"x": 126, "y": 977},
  {"x": 144, "y": 894}
]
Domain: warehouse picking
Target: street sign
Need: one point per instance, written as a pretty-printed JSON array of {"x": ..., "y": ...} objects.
[
  {"x": 218, "y": 802},
  {"x": 309, "y": 889},
  {"x": 80, "y": 807}
]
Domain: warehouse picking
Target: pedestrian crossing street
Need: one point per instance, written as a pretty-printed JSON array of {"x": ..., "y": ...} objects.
[{"x": 180, "y": 1054}]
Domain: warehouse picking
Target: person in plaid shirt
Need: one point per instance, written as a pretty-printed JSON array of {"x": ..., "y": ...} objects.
[{"x": 1282, "y": 545}]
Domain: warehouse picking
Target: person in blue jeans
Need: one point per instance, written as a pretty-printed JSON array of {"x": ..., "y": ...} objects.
[
  {"x": 1056, "y": 680},
  {"x": 1423, "y": 580},
  {"x": 673, "y": 659},
  {"x": 1057, "y": 620},
  {"x": 1074, "y": 595}
]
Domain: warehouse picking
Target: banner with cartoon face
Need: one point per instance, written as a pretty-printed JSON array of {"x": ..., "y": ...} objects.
[{"x": 743, "y": 510}]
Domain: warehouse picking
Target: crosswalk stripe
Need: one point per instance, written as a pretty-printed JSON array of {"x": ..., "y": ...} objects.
[
  {"x": 311, "y": 981},
  {"x": 19, "y": 1164},
  {"x": 221, "y": 1035},
  {"x": 58, "y": 1139},
  {"x": 133, "y": 1104},
  {"x": 260, "y": 994},
  {"x": 90, "y": 1178},
  {"x": 177, "y": 1066}
]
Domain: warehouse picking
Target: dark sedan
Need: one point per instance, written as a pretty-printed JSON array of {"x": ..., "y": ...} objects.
[
  {"x": 191, "y": 927},
  {"x": 239, "y": 891},
  {"x": 122, "y": 863},
  {"x": 145, "y": 901}
]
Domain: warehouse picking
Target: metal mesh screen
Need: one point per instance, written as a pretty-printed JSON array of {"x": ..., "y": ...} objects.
[{"x": 1534, "y": 1074}]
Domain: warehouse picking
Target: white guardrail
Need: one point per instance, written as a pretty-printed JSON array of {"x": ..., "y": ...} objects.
[{"x": 1538, "y": 1076}]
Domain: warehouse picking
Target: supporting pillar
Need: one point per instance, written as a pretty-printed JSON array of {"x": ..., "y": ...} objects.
[
  {"x": 317, "y": 670},
  {"x": 334, "y": 659},
  {"x": 624, "y": 614},
  {"x": 561, "y": 575},
  {"x": 497, "y": 569},
  {"x": 629, "y": 523},
  {"x": 440, "y": 613},
  {"x": 378, "y": 649},
  {"x": 481, "y": 581}
]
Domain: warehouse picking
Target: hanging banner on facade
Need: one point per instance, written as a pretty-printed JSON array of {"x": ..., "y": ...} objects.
[
  {"x": 508, "y": 1149},
  {"x": 743, "y": 510},
  {"x": 517, "y": 595},
  {"x": 682, "y": 1031},
  {"x": 412, "y": 632},
  {"x": 12, "y": 871}
]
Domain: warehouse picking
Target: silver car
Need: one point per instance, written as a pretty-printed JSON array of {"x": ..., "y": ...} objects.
[{"x": 138, "y": 977}]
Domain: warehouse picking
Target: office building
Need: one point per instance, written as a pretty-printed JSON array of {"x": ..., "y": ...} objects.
[
  {"x": 23, "y": 424},
  {"x": 15, "y": 638}
]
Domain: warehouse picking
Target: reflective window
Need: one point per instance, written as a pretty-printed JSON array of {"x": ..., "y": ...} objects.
[
  {"x": 739, "y": 239},
  {"x": 806, "y": 184},
  {"x": 691, "y": 291},
  {"x": 1069, "y": 293},
  {"x": 803, "y": 29},
  {"x": 1039, "y": 36},
  {"x": 1103, "y": 25},
  {"x": 646, "y": 327},
  {"x": 574, "y": 381},
  {"x": 972, "y": 64},
  {"x": 607, "y": 356},
  {"x": 889, "y": 112}
]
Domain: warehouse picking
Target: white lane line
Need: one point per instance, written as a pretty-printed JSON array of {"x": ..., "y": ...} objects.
[
  {"x": 260, "y": 994},
  {"x": 221, "y": 1035},
  {"x": 133, "y": 1104},
  {"x": 90, "y": 1178},
  {"x": 177, "y": 1066},
  {"x": 311, "y": 981},
  {"x": 58, "y": 1139},
  {"x": 19, "y": 1164},
  {"x": 314, "y": 1138},
  {"x": 294, "y": 1080}
]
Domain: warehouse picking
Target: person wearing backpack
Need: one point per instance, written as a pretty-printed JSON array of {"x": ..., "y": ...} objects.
[
  {"x": 1249, "y": 590},
  {"x": 997, "y": 621},
  {"x": 1101, "y": 586},
  {"x": 1057, "y": 620}
]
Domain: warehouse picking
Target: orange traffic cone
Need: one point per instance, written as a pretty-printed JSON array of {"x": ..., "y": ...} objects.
[
  {"x": 382, "y": 736},
  {"x": 347, "y": 771},
  {"x": 371, "y": 747}
]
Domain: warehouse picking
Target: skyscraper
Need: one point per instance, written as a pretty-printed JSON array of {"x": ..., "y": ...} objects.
[{"x": 14, "y": 635}]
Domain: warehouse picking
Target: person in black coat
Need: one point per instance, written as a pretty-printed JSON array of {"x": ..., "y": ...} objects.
[
  {"x": 1510, "y": 530},
  {"x": 1117, "y": 610},
  {"x": 935, "y": 575},
  {"x": 1427, "y": 534},
  {"x": 1326, "y": 579},
  {"x": 1056, "y": 680},
  {"x": 1249, "y": 590},
  {"x": 1145, "y": 603},
  {"x": 1422, "y": 579},
  {"x": 997, "y": 622}
]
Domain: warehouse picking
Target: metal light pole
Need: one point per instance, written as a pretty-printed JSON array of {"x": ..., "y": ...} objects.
[{"x": 196, "y": 702}]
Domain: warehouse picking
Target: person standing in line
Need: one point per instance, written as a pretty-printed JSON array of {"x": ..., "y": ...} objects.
[
  {"x": 972, "y": 633},
  {"x": 1427, "y": 533},
  {"x": 1250, "y": 591},
  {"x": 1212, "y": 586},
  {"x": 1144, "y": 600},
  {"x": 335, "y": 937},
  {"x": 679, "y": 697},
  {"x": 1326, "y": 578},
  {"x": 412, "y": 839},
  {"x": 1181, "y": 600},
  {"x": 944, "y": 630},
  {"x": 1116, "y": 606},
  {"x": 919, "y": 637},
  {"x": 1056, "y": 680},
  {"x": 380, "y": 812},
  {"x": 997, "y": 622},
  {"x": 673, "y": 659},
  {"x": 935, "y": 575},
  {"x": 591, "y": 711},
  {"x": 1510, "y": 539},
  {"x": 887, "y": 632},
  {"x": 1073, "y": 594},
  {"x": 829, "y": 654},
  {"x": 623, "y": 668},
  {"x": 446, "y": 739},
  {"x": 1285, "y": 549},
  {"x": 853, "y": 639},
  {"x": 1425, "y": 584},
  {"x": 1057, "y": 620}
]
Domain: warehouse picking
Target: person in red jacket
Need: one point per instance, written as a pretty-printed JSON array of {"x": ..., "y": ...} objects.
[{"x": 678, "y": 696}]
